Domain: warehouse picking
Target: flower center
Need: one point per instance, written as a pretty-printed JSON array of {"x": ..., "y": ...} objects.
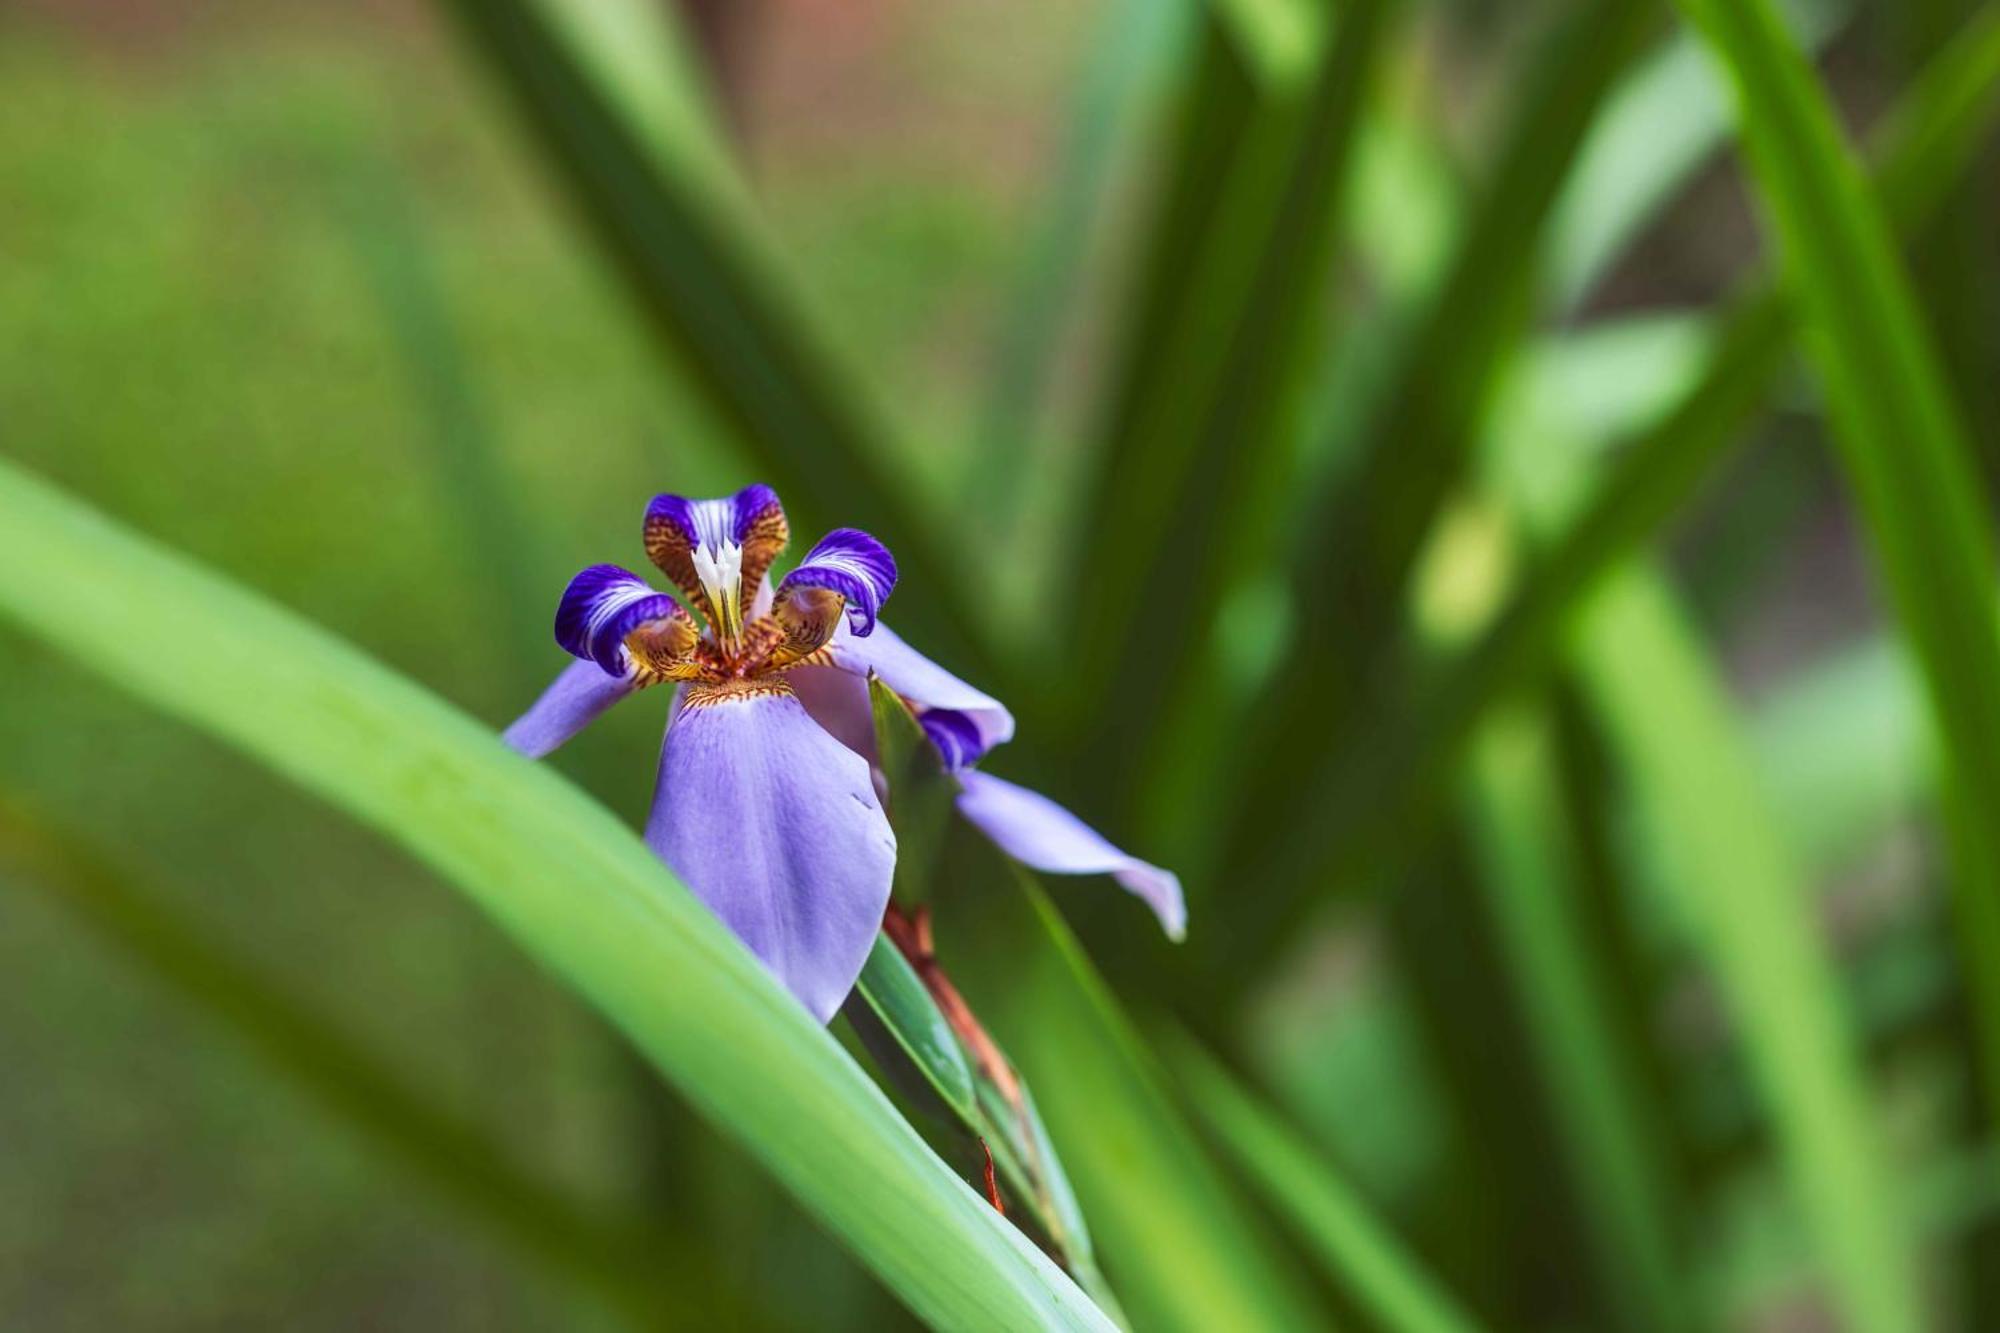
[{"x": 720, "y": 569}]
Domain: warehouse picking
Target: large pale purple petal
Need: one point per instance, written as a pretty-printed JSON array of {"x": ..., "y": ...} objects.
[
  {"x": 964, "y": 722},
  {"x": 838, "y": 700},
  {"x": 600, "y": 607},
  {"x": 1037, "y": 832},
  {"x": 852, "y": 563},
  {"x": 776, "y": 826},
  {"x": 578, "y": 695}
]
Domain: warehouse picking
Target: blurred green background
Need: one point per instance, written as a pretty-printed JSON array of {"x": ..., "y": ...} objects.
[{"x": 291, "y": 288}]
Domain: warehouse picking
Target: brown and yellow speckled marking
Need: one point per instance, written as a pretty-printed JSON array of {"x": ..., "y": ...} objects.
[
  {"x": 673, "y": 551},
  {"x": 766, "y": 540},
  {"x": 665, "y": 647},
  {"x": 669, "y": 548},
  {"x": 707, "y": 694}
]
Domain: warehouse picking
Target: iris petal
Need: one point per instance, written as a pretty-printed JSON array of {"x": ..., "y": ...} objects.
[
  {"x": 775, "y": 825},
  {"x": 1037, "y": 832},
  {"x": 569, "y": 705},
  {"x": 850, "y": 562},
  {"x": 981, "y": 721},
  {"x": 600, "y": 607},
  {"x": 752, "y": 520}
]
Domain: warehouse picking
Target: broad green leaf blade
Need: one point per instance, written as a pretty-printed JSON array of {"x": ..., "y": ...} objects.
[
  {"x": 890, "y": 988},
  {"x": 1362, "y": 1257},
  {"x": 575, "y": 888},
  {"x": 1907, "y": 458},
  {"x": 1623, "y": 1168},
  {"x": 1183, "y": 1250},
  {"x": 697, "y": 260},
  {"x": 627, "y": 1260},
  {"x": 1697, "y": 793}
]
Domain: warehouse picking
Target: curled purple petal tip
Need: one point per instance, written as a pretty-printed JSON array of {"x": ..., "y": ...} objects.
[
  {"x": 852, "y": 563},
  {"x": 600, "y": 607},
  {"x": 956, "y": 736},
  {"x": 963, "y": 722}
]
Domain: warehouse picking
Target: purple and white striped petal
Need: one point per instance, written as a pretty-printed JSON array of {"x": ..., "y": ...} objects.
[
  {"x": 578, "y": 695},
  {"x": 600, "y": 607},
  {"x": 963, "y": 722},
  {"x": 750, "y": 523},
  {"x": 1037, "y": 832},
  {"x": 775, "y": 825},
  {"x": 852, "y": 563}
]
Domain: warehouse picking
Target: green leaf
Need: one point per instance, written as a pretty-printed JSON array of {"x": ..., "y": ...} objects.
[
  {"x": 629, "y": 1261},
  {"x": 1844, "y": 749},
  {"x": 1239, "y": 205},
  {"x": 1696, "y": 790},
  {"x": 1129, "y": 52},
  {"x": 1186, "y": 489},
  {"x": 1905, "y": 451},
  {"x": 1184, "y": 1250},
  {"x": 1654, "y": 132},
  {"x": 921, "y": 793},
  {"x": 575, "y": 888},
  {"x": 1362, "y": 1257},
  {"x": 903, "y": 1029},
  {"x": 1381, "y": 796},
  {"x": 896, "y": 996},
  {"x": 1369, "y": 522},
  {"x": 696, "y": 258},
  {"x": 993, "y": 1107},
  {"x": 1623, "y": 1169}
]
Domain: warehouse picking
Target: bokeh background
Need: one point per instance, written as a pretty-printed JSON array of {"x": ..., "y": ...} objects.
[{"x": 292, "y": 288}]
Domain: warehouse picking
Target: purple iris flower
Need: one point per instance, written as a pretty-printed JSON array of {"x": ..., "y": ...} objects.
[{"x": 767, "y": 804}]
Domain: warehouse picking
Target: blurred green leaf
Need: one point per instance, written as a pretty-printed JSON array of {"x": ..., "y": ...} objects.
[
  {"x": 1664, "y": 120},
  {"x": 1362, "y": 1257},
  {"x": 1243, "y": 235},
  {"x": 1350, "y": 578},
  {"x": 1377, "y": 798},
  {"x": 574, "y": 888},
  {"x": 1184, "y": 1251},
  {"x": 1907, "y": 458},
  {"x": 637, "y": 1266},
  {"x": 1696, "y": 790},
  {"x": 1128, "y": 55},
  {"x": 698, "y": 261},
  {"x": 1185, "y": 491},
  {"x": 1624, "y": 1174},
  {"x": 1845, "y": 749}
]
